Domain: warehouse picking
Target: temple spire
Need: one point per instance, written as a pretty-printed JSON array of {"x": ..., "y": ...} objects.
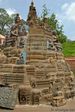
[
  {"x": 32, "y": 3},
  {"x": 32, "y": 15}
]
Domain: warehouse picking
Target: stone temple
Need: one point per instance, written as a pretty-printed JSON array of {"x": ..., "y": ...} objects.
[{"x": 33, "y": 67}]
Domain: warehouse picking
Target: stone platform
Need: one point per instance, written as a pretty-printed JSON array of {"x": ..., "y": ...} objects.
[{"x": 69, "y": 107}]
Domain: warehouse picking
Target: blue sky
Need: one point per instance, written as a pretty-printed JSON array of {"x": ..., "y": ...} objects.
[{"x": 64, "y": 10}]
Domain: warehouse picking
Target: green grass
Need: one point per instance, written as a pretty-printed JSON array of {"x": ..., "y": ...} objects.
[{"x": 69, "y": 49}]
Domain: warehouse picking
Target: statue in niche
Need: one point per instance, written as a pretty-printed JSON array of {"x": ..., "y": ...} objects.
[{"x": 17, "y": 33}]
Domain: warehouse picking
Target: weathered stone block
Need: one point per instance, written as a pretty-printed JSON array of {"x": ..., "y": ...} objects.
[{"x": 8, "y": 97}]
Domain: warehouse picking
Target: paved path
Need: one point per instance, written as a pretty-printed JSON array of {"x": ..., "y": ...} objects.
[{"x": 69, "y": 107}]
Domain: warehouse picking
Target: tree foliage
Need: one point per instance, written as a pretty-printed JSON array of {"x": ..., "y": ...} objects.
[
  {"x": 53, "y": 22},
  {"x": 44, "y": 12},
  {"x": 5, "y": 20}
]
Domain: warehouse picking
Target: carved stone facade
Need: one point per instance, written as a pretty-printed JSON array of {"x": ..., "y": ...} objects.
[{"x": 39, "y": 67}]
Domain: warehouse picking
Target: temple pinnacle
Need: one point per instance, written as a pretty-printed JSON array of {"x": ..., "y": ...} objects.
[{"x": 32, "y": 2}]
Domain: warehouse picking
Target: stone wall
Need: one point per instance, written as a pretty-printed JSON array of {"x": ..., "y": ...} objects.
[{"x": 71, "y": 62}]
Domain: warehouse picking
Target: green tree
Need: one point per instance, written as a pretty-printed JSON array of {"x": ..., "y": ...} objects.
[
  {"x": 5, "y": 20},
  {"x": 61, "y": 36},
  {"x": 44, "y": 12},
  {"x": 54, "y": 24}
]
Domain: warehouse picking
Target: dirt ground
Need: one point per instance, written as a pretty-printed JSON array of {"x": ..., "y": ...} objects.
[{"x": 69, "y": 107}]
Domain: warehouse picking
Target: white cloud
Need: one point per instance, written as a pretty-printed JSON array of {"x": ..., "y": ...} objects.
[
  {"x": 71, "y": 37},
  {"x": 69, "y": 11},
  {"x": 11, "y": 11},
  {"x": 64, "y": 6}
]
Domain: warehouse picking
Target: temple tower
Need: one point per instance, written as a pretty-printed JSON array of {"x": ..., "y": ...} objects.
[
  {"x": 36, "y": 64},
  {"x": 32, "y": 15},
  {"x": 42, "y": 41}
]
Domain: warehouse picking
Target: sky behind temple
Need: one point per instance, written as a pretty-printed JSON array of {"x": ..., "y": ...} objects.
[{"x": 64, "y": 10}]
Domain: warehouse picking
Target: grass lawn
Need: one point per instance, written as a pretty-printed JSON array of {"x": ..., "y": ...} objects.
[{"x": 69, "y": 49}]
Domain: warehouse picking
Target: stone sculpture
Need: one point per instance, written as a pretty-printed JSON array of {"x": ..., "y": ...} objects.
[{"x": 38, "y": 66}]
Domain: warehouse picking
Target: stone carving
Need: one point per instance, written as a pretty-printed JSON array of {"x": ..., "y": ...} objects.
[
  {"x": 8, "y": 97},
  {"x": 25, "y": 95},
  {"x": 34, "y": 60},
  {"x": 3, "y": 58}
]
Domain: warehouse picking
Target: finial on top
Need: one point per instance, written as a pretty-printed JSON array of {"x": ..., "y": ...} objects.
[{"x": 32, "y": 2}]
